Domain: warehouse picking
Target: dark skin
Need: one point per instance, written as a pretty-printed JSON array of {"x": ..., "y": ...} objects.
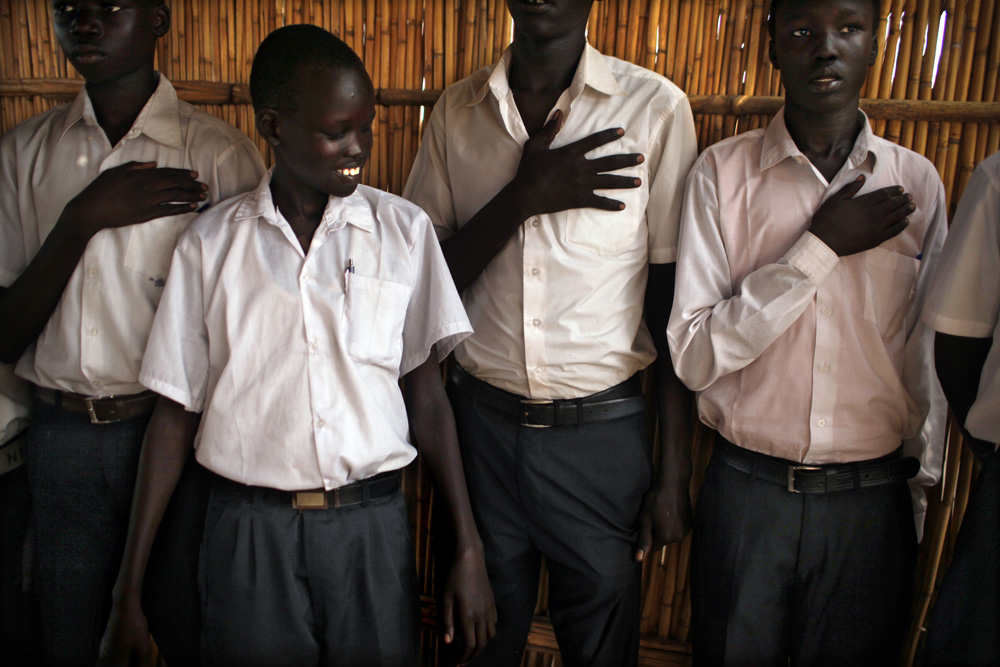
[
  {"x": 959, "y": 361},
  {"x": 114, "y": 51},
  {"x": 823, "y": 50},
  {"x": 547, "y": 46},
  {"x": 318, "y": 146}
]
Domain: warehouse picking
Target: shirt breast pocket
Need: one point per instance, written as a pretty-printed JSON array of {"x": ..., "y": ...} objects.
[
  {"x": 374, "y": 312},
  {"x": 151, "y": 247},
  {"x": 606, "y": 233},
  {"x": 891, "y": 282}
]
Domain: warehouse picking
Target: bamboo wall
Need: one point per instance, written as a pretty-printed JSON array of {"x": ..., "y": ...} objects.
[{"x": 716, "y": 50}]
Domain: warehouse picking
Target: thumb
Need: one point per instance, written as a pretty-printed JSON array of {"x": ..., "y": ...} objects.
[
  {"x": 851, "y": 189},
  {"x": 645, "y": 538},
  {"x": 448, "y": 618},
  {"x": 548, "y": 133}
]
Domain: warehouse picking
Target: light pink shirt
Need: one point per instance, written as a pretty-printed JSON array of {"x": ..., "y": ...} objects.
[
  {"x": 558, "y": 312},
  {"x": 794, "y": 352},
  {"x": 965, "y": 296},
  {"x": 95, "y": 338},
  {"x": 293, "y": 361}
]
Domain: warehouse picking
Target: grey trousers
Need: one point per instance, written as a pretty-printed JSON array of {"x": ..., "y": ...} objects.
[
  {"x": 281, "y": 586},
  {"x": 571, "y": 494}
]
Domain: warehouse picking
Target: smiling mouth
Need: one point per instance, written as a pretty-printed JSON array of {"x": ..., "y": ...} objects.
[
  {"x": 350, "y": 172},
  {"x": 825, "y": 82}
]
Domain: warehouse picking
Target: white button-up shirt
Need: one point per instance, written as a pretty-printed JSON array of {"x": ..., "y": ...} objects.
[
  {"x": 293, "y": 359},
  {"x": 94, "y": 341},
  {"x": 794, "y": 352},
  {"x": 558, "y": 312},
  {"x": 965, "y": 296}
]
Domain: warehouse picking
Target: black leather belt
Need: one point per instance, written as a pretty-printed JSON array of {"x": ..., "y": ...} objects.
[
  {"x": 382, "y": 485},
  {"x": 622, "y": 400},
  {"x": 827, "y": 478},
  {"x": 101, "y": 409}
]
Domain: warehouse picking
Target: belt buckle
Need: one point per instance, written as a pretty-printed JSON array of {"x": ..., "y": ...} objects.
[
  {"x": 309, "y": 500},
  {"x": 791, "y": 476},
  {"x": 533, "y": 401},
  {"x": 89, "y": 402}
]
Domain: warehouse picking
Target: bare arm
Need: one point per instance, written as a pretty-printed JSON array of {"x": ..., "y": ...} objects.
[
  {"x": 467, "y": 596},
  {"x": 547, "y": 180},
  {"x": 959, "y": 362},
  {"x": 126, "y": 195},
  {"x": 168, "y": 443},
  {"x": 666, "y": 509}
]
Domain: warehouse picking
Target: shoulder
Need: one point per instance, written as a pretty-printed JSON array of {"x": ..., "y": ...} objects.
[
  {"x": 637, "y": 80},
  {"x": 214, "y": 227},
  {"x": 461, "y": 93},
  {"x": 732, "y": 150},
  {"x": 393, "y": 214},
  {"x": 915, "y": 169},
  {"x": 989, "y": 171},
  {"x": 206, "y": 132},
  {"x": 29, "y": 132}
]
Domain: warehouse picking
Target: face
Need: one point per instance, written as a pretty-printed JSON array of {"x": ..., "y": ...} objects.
[
  {"x": 325, "y": 141},
  {"x": 104, "y": 40},
  {"x": 823, "y": 49},
  {"x": 549, "y": 19}
]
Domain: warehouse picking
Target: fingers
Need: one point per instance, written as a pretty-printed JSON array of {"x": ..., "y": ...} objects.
[
  {"x": 182, "y": 195},
  {"x": 613, "y": 182},
  {"x": 596, "y": 139},
  {"x": 851, "y": 189},
  {"x": 645, "y": 538},
  {"x": 448, "y": 618},
  {"x": 895, "y": 203},
  {"x": 604, "y": 204},
  {"x": 548, "y": 133},
  {"x": 615, "y": 162},
  {"x": 895, "y": 229},
  {"x": 137, "y": 165}
]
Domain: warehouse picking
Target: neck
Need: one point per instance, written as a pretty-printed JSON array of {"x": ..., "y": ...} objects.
[
  {"x": 300, "y": 205},
  {"x": 545, "y": 65},
  {"x": 823, "y": 134},
  {"x": 117, "y": 103}
]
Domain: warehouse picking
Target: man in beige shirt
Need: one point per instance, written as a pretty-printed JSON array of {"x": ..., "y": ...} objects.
[
  {"x": 796, "y": 319},
  {"x": 551, "y": 219}
]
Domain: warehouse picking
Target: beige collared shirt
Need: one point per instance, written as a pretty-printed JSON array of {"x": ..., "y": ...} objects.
[
  {"x": 94, "y": 341},
  {"x": 965, "y": 296},
  {"x": 795, "y": 352},
  {"x": 293, "y": 360},
  {"x": 558, "y": 312}
]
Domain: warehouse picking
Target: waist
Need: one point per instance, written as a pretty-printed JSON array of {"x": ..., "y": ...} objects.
[
  {"x": 826, "y": 478},
  {"x": 622, "y": 400},
  {"x": 100, "y": 409},
  {"x": 382, "y": 485}
]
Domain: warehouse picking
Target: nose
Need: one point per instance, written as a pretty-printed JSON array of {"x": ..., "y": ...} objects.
[
  {"x": 357, "y": 144},
  {"x": 825, "y": 46},
  {"x": 85, "y": 22}
]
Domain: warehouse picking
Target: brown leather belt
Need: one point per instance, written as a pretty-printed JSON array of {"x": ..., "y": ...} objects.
[
  {"x": 381, "y": 485},
  {"x": 101, "y": 409}
]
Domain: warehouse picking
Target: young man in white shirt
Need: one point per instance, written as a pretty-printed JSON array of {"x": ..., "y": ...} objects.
[
  {"x": 796, "y": 319},
  {"x": 290, "y": 316},
  {"x": 562, "y": 266},
  {"x": 92, "y": 197},
  {"x": 964, "y": 309}
]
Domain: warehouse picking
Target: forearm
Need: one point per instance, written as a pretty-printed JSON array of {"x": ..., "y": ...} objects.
[
  {"x": 959, "y": 363},
  {"x": 168, "y": 443},
  {"x": 479, "y": 240},
  {"x": 27, "y": 305}
]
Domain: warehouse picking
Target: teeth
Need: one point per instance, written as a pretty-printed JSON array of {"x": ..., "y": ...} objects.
[{"x": 353, "y": 171}]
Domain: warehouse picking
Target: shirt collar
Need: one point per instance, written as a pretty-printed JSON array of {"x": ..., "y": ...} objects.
[
  {"x": 159, "y": 119},
  {"x": 778, "y": 144},
  {"x": 339, "y": 211},
  {"x": 592, "y": 71}
]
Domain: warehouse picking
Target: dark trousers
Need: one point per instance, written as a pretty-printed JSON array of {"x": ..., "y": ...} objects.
[
  {"x": 781, "y": 578},
  {"x": 82, "y": 477},
  {"x": 964, "y": 626},
  {"x": 571, "y": 494},
  {"x": 19, "y": 631},
  {"x": 313, "y": 587}
]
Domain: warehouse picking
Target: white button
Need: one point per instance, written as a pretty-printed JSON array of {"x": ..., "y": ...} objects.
[
  {"x": 305, "y": 278},
  {"x": 320, "y": 423},
  {"x": 535, "y": 322},
  {"x": 538, "y": 371},
  {"x": 313, "y": 347},
  {"x": 821, "y": 423},
  {"x": 535, "y": 222},
  {"x": 92, "y": 272},
  {"x": 93, "y": 331},
  {"x": 827, "y": 311},
  {"x": 825, "y": 368},
  {"x": 535, "y": 272}
]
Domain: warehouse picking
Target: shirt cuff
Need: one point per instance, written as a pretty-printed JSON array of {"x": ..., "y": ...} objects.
[
  {"x": 812, "y": 257},
  {"x": 954, "y": 327}
]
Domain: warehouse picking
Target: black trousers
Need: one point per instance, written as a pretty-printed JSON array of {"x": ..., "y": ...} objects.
[
  {"x": 281, "y": 586},
  {"x": 780, "y": 578},
  {"x": 82, "y": 477},
  {"x": 571, "y": 494}
]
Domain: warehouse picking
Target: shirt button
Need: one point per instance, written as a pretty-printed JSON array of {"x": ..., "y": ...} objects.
[
  {"x": 827, "y": 311},
  {"x": 535, "y": 322},
  {"x": 535, "y": 222},
  {"x": 92, "y": 331},
  {"x": 825, "y": 368},
  {"x": 535, "y": 272},
  {"x": 320, "y": 423},
  {"x": 821, "y": 423},
  {"x": 538, "y": 371},
  {"x": 92, "y": 272},
  {"x": 313, "y": 347},
  {"x": 304, "y": 278}
]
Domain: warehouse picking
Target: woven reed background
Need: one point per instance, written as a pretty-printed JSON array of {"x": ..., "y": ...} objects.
[{"x": 716, "y": 50}]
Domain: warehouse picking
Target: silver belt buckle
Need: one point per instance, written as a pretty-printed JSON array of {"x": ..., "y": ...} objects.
[
  {"x": 89, "y": 401},
  {"x": 534, "y": 401},
  {"x": 791, "y": 476}
]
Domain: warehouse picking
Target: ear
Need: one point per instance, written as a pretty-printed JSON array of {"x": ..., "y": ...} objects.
[
  {"x": 266, "y": 121},
  {"x": 161, "y": 20},
  {"x": 772, "y": 54},
  {"x": 874, "y": 54}
]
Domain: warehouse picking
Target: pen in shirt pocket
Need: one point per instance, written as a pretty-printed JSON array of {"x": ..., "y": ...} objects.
[
  {"x": 204, "y": 207},
  {"x": 347, "y": 275}
]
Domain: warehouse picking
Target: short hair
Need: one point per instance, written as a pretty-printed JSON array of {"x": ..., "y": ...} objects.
[
  {"x": 276, "y": 69},
  {"x": 775, "y": 4}
]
